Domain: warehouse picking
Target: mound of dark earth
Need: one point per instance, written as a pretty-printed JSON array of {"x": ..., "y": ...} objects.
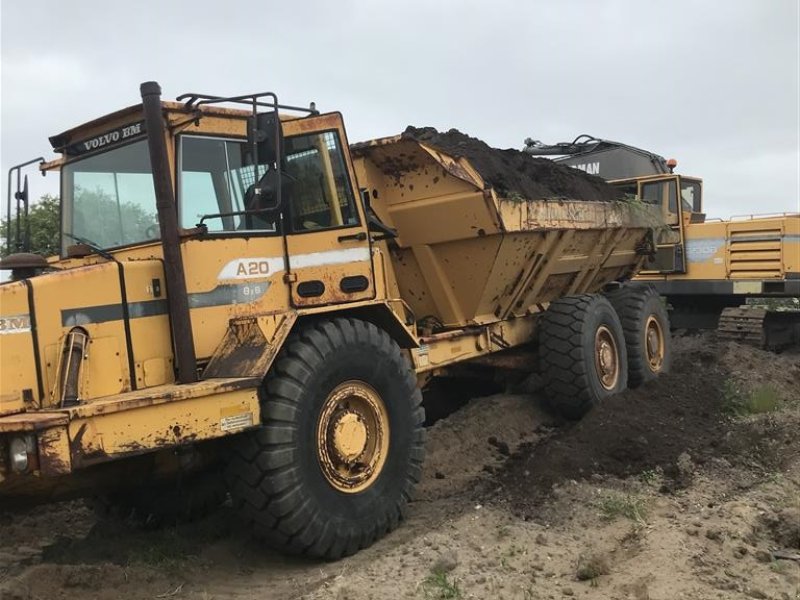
[
  {"x": 513, "y": 173},
  {"x": 651, "y": 427}
]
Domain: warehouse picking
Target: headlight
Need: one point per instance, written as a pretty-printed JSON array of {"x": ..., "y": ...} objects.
[{"x": 18, "y": 450}]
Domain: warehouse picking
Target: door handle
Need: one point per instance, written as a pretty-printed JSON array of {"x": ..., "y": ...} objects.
[{"x": 359, "y": 237}]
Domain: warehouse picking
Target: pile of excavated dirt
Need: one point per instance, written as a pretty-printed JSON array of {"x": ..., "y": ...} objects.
[
  {"x": 684, "y": 415},
  {"x": 466, "y": 446},
  {"x": 513, "y": 173}
]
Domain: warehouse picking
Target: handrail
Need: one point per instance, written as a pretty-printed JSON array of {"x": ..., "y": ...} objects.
[
  {"x": 193, "y": 100},
  {"x": 763, "y": 216},
  {"x": 22, "y": 202}
]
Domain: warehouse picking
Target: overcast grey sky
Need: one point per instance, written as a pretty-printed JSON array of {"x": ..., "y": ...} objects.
[{"x": 713, "y": 84}]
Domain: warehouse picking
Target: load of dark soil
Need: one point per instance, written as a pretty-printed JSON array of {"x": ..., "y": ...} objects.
[
  {"x": 684, "y": 413},
  {"x": 513, "y": 173}
]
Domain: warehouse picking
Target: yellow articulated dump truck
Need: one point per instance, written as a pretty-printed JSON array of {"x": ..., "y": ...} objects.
[
  {"x": 707, "y": 269},
  {"x": 245, "y": 305}
]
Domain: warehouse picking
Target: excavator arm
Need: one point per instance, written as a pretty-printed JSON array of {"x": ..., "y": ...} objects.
[{"x": 606, "y": 158}]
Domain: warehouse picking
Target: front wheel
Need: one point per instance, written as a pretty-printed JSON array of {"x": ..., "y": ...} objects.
[{"x": 342, "y": 443}]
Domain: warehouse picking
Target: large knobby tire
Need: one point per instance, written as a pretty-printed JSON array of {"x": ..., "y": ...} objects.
[
  {"x": 185, "y": 499},
  {"x": 645, "y": 323},
  {"x": 341, "y": 446},
  {"x": 582, "y": 353}
]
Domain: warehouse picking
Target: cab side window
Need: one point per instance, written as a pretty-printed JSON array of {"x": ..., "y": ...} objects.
[
  {"x": 664, "y": 194},
  {"x": 690, "y": 195},
  {"x": 214, "y": 183},
  {"x": 320, "y": 196}
]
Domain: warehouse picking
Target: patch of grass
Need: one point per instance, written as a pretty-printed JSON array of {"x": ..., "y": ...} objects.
[
  {"x": 437, "y": 586},
  {"x": 630, "y": 507},
  {"x": 764, "y": 399},
  {"x": 167, "y": 550},
  {"x": 740, "y": 402},
  {"x": 779, "y": 566},
  {"x": 503, "y": 532},
  {"x": 731, "y": 397},
  {"x": 590, "y": 567},
  {"x": 649, "y": 476}
]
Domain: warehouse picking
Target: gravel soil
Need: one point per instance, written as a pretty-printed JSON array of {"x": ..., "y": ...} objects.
[{"x": 669, "y": 491}]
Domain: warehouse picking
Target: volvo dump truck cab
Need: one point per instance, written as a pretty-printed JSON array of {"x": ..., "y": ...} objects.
[
  {"x": 239, "y": 291},
  {"x": 707, "y": 269}
]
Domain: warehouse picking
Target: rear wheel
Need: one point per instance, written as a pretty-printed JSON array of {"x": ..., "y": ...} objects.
[
  {"x": 646, "y": 325},
  {"x": 582, "y": 353},
  {"x": 341, "y": 447}
]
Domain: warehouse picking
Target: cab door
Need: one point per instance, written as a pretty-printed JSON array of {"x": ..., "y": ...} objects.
[
  {"x": 329, "y": 258},
  {"x": 670, "y": 253}
]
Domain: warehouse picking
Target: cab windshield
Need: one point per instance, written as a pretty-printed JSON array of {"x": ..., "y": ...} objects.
[{"x": 108, "y": 199}]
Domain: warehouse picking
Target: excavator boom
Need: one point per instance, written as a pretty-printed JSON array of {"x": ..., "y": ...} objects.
[{"x": 597, "y": 156}]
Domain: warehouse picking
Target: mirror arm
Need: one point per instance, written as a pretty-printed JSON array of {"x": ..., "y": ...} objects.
[{"x": 374, "y": 224}]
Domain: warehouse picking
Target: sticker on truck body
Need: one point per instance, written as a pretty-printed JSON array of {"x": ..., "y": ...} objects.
[
  {"x": 234, "y": 422},
  {"x": 15, "y": 324},
  {"x": 261, "y": 267}
]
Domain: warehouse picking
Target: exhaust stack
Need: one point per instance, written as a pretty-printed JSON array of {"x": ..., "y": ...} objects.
[{"x": 185, "y": 358}]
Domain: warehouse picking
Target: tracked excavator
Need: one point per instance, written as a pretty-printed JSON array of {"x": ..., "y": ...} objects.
[{"x": 740, "y": 276}]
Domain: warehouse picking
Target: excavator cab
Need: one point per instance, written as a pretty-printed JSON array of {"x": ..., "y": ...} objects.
[
  {"x": 681, "y": 202},
  {"x": 641, "y": 174},
  {"x": 662, "y": 191}
]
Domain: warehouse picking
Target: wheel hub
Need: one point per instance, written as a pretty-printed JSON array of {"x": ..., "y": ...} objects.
[
  {"x": 606, "y": 358},
  {"x": 349, "y": 436},
  {"x": 352, "y": 436},
  {"x": 654, "y": 344}
]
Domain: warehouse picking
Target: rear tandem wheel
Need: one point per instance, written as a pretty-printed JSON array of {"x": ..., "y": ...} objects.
[
  {"x": 582, "y": 353},
  {"x": 645, "y": 322}
]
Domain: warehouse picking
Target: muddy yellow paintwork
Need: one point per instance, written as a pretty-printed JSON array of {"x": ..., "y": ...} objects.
[
  {"x": 16, "y": 350},
  {"x": 746, "y": 252},
  {"x": 466, "y": 256},
  {"x": 755, "y": 248},
  {"x": 482, "y": 265}
]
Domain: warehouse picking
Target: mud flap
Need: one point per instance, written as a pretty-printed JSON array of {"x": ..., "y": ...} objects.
[{"x": 249, "y": 346}]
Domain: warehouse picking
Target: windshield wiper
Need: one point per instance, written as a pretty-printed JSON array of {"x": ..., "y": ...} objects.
[{"x": 92, "y": 245}]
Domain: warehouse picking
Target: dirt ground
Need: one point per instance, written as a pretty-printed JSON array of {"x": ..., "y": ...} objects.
[
  {"x": 686, "y": 488},
  {"x": 513, "y": 173}
]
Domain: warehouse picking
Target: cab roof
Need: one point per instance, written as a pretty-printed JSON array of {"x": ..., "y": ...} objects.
[{"x": 71, "y": 135}]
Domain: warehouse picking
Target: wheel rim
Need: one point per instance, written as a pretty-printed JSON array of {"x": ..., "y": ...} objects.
[
  {"x": 654, "y": 343},
  {"x": 606, "y": 357},
  {"x": 352, "y": 436}
]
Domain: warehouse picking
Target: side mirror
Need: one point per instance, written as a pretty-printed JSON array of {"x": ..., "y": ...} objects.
[
  {"x": 265, "y": 191},
  {"x": 265, "y": 135}
]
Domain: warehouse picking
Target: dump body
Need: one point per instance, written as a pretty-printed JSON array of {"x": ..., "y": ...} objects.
[{"x": 466, "y": 256}]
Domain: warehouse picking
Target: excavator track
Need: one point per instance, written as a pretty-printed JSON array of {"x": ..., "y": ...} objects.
[
  {"x": 744, "y": 324},
  {"x": 760, "y": 327}
]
